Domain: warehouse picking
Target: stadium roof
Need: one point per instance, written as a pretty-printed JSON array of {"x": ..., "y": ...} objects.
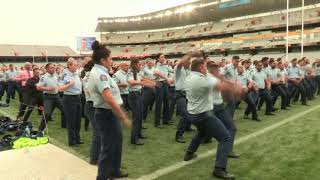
[
  {"x": 194, "y": 13},
  {"x": 30, "y": 50}
]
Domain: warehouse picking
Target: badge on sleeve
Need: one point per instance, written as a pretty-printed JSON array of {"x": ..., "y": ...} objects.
[{"x": 103, "y": 78}]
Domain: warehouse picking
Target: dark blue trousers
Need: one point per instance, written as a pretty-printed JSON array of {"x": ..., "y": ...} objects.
[
  {"x": 296, "y": 91},
  {"x": 96, "y": 138},
  {"x": 73, "y": 113},
  {"x": 111, "y": 144},
  {"x": 184, "y": 122},
  {"x": 50, "y": 102},
  {"x": 3, "y": 87},
  {"x": 162, "y": 103},
  {"x": 148, "y": 99},
  {"x": 209, "y": 126},
  {"x": 231, "y": 105},
  {"x": 278, "y": 91},
  {"x": 172, "y": 102},
  {"x": 12, "y": 87},
  {"x": 226, "y": 119},
  {"x": 136, "y": 106},
  {"x": 264, "y": 95},
  {"x": 250, "y": 98}
]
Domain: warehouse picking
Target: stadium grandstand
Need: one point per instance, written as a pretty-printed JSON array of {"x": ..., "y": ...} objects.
[
  {"x": 35, "y": 53},
  {"x": 248, "y": 28}
]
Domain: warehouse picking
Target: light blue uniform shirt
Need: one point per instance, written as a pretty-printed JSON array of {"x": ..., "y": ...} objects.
[
  {"x": 164, "y": 69},
  {"x": 121, "y": 77},
  {"x": 259, "y": 79},
  {"x": 148, "y": 72},
  {"x": 3, "y": 77},
  {"x": 99, "y": 81},
  {"x": 294, "y": 72},
  {"x": 216, "y": 94},
  {"x": 138, "y": 78},
  {"x": 48, "y": 80},
  {"x": 76, "y": 89},
  {"x": 180, "y": 77},
  {"x": 199, "y": 89},
  {"x": 85, "y": 82},
  {"x": 230, "y": 72},
  {"x": 317, "y": 70},
  {"x": 274, "y": 74},
  {"x": 11, "y": 75},
  {"x": 243, "y": 80}
]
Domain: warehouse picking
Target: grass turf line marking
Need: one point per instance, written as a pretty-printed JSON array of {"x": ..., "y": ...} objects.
[{"x": 181, "y": 164}]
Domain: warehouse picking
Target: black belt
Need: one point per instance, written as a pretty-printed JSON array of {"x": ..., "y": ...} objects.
[
  {"x": 75, "y": 95},
  {"x": 46, "y": 94}
]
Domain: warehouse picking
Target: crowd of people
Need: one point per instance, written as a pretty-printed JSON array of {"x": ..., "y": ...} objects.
[{"x": 194, "y": 87}]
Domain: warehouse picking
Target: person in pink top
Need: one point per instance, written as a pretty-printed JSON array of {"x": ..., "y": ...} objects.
[{"x": 22, "y": 78}]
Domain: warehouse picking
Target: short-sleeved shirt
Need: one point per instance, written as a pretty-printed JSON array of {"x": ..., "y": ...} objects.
[
  {"x": 76, "y": 89},
  {"x": 317, "y": 70},
  {"x": 199, "y": 90},
  {"x": 11, "y": 75},
  {"x": 243, "y": 80},
  {"x": 48, "y": 80},
  {"x": 99, "y": 81},
  {"x": 259, "y": 78},
  {"x": 180, "y": 77},
  {"x": 121, "y": 77},
  {"x": 85, "y": 83},
  {"x": 274, "y": 74},
  {"x": 294, "y": 72},
  {"x": 230, "y": 72},
  {"x": 3, "y": 77},
  {"x": 216, "y": 94},
  {"x": 148, "y": 72},
  {"x": 130, "y": 76},
  {"x": 164, "y": 69}
]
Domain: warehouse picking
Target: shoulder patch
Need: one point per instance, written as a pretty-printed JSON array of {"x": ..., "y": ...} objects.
[{"x": 103, "y": 78}]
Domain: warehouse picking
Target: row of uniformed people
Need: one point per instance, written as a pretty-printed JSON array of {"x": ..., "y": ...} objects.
[{"x": 69, "y": 106}]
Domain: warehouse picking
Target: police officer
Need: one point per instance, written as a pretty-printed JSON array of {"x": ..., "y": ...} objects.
[
  {"x": 316, "y": 66},
  {"x": 136, "y": 82},
  {"x": 284, "y": 82},
  {"x": 108, "y": 113},
  {"x": 182, "y": 71},
  {"x": 262, "y": 86},
  {"x": 12, "y": 83},
  {"x": 49, "y": 84},
  {"x": 230, "y": 73},
  {"x": 148, "y": 93},
  {"x": 295, "y": 84},
  {"x": 162, "y": 94},
  {"x": 120, "y": 77},
  {"x": 89, "y": 113},
  {"x": 249, "y": 96},
  {"x": 275, "y": 77},
  {"x": 72, "y": 87},
  {"x": 32, "y": 96},
  {"x": 199, "y": 89}
]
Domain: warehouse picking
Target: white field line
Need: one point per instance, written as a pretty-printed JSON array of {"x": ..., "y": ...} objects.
[{"x": 181, "y": 164}]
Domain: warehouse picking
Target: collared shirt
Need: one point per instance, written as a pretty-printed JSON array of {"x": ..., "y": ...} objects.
[
  {"x": 121, "y": 77},
  {"x": 99, "y": 81},
  {"x": 230, "y": 72},
  {"x": 199, "y": 89},
  {"x": 48, "y": 80},
  {"x": 3, "y": 77},
  {"x": 148, "y": 72},
  {"x": 259, "y": 78},
  {"x": 76, "y": 89},
  {"x": 317, "y": 70},
  {"x": 180, "y": 77},
  {"x": 85, "y": 82},
  {"x": 274, "y": 74},
  {"x": 294, "y": 72},
  {"x": 164, "y": 69},
  {"x": 243, "y": 80},
  {"x": 216, "y": 94},
  {"x": 11, "y": 75},
  {"x": 130, "y": 76},
  {"x": 22, "y": 75}
]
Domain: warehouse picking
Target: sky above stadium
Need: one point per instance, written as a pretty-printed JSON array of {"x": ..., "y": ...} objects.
[{"x": 59, "y": 22}]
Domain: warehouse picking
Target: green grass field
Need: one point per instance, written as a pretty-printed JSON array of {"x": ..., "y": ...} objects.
[{"x": 288, "y": 152}]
